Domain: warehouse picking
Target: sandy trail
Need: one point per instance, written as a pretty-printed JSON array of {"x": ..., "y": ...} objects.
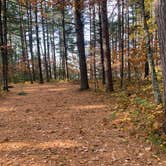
[{"x": 57, "y": 125}]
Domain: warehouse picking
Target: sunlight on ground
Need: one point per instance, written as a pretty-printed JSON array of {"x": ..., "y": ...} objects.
[
  {"x": 37, "y": 87},
  {"x": 3, "y": 109},
  {"x": 6, "y": 109},
  {"x": 30, "y": 90},
  {"x": 87, "y": 107},
  {"x": 57, "y": 89},
  {"x": 13, "y": 146}
]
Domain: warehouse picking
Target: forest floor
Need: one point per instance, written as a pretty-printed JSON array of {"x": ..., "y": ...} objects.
[{"x": 57, "y": 125}]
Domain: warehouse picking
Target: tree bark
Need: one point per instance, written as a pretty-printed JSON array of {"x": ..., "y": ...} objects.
[
  {"x": 106, "y": 47},
  {"x": 30, "y": 34},
  {"x": 44, "y": 45},
  {"x": 156, "y": 90},
  {"x": 80, "y": 44},
  {"x": 38, "y": 46},
  {"x": 3, "y": 43},
  {"x": 161, "y": 22},
  {"x": 64, "y": 43},
  {"x": 101, "y": 47}
]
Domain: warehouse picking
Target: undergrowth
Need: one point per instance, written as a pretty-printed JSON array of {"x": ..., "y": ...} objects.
[{"x": 137, "y": 114}]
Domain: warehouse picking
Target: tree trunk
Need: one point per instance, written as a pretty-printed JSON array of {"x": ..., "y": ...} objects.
[
  {"x": 53, "y": 53},
  {"x": 80, "y": 44},
  {"x": 128, "y": 43},
  {"x": 48, "y": 49},
  {"x": 101, "y": 47},
  {"x": 122, "y": 45},
  {"x": 3, "y": 43},
  {"x": 156, "y": 90},
  {"x": 106, "y": 47},
  {"x": 161, "y": 21},
  {"x": 65, "y": 44},
  {"x": 38, "y": 46},
  {"x": 44, "y": 45},
  {"x": 30, "y": 34},
  {"x": 94, "y": 47},
  {"x": 24, "y": 47}
]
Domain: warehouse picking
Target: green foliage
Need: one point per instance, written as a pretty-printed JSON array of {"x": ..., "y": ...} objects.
[
  {"x": 113, "y": 115},
  {"x": 20, "y": 77},
  {"x": 143, "y": 102},
  {"x": 22, "y": 93},
  {"x": 155, "y": 138},
  {"x": 136, "y": 112}
]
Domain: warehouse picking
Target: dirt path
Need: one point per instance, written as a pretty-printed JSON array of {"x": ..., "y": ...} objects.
[{"x": 56, "y": 125}]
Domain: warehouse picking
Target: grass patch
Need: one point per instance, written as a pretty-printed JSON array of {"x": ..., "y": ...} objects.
[
  {"x": 22, "y": 93},
  {"x": 155, "y": 138},
  {"x": 113, "y": 116},
  {"x": 143, "y": 102}
]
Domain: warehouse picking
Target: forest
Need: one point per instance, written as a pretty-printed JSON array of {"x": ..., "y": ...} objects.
[{"x": 83, "y": 82}]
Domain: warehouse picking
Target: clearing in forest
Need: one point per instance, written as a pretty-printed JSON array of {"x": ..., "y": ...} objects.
[{"x": 58, "y": 125}]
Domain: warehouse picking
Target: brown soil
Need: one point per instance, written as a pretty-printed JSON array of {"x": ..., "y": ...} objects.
[{"x": 58, "y": 125}]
